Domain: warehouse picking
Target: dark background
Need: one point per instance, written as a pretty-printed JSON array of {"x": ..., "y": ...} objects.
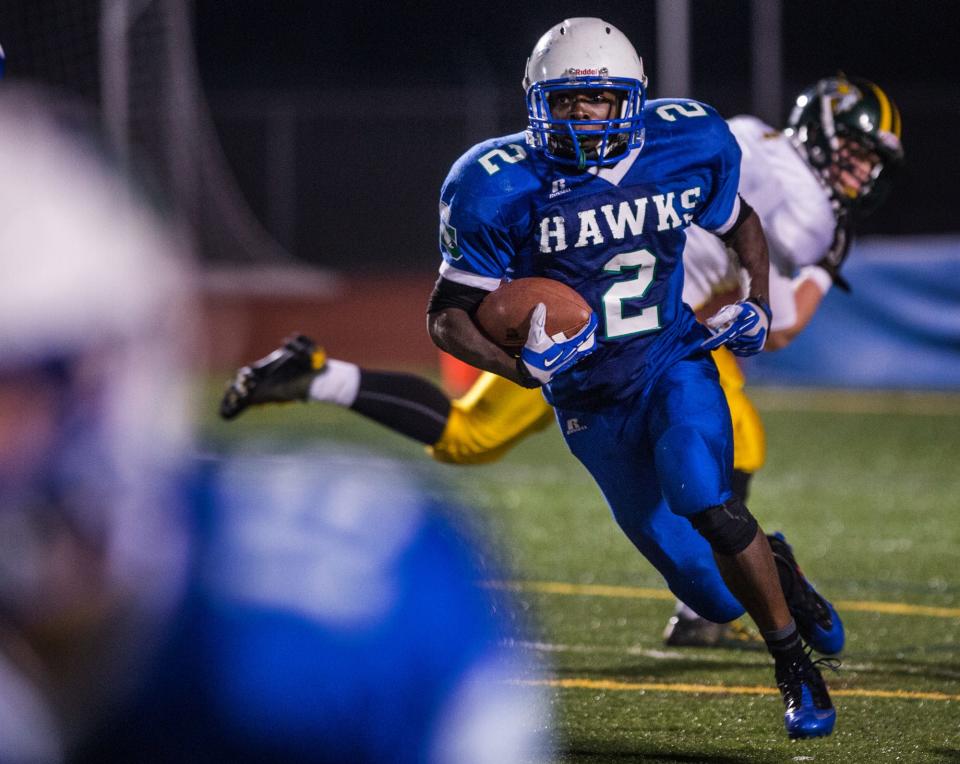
[
  {"x": 341, "y": 119},
  {"x": 380, "y": 176}
]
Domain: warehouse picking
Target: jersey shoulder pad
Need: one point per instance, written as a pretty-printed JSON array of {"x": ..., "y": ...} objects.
[
  {"x": 490, "y": 175},
  {"x": 681, "y": 114},
  {"x": 695, "y": 126}
]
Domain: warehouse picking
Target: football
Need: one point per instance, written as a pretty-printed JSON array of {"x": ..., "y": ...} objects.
[{"x": 504, "y": 314}]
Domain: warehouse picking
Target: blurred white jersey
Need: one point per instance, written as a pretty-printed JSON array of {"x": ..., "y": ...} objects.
[{"x": 793, "y": 207}]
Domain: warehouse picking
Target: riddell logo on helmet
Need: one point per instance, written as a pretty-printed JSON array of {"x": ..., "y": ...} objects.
[{"x": 575, "y": 72}]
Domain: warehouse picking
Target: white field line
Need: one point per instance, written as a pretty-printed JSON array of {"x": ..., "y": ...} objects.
[{"x": 702, "y": 655}]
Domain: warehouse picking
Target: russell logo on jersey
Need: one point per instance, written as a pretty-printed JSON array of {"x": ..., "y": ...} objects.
[{"x": 558, "y": 188}]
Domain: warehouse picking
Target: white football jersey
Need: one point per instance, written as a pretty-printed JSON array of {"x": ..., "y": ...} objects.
[{"x": 794, "y": 209}]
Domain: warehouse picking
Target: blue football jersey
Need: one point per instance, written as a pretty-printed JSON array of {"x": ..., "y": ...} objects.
[
  {"x": 615, "y": 234},
  {"x": 333, "y": 614}
]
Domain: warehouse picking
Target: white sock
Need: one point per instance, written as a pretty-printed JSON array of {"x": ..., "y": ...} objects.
[
  {"x": 339, "y": 383},
  {"x": 685, "y": 612}
]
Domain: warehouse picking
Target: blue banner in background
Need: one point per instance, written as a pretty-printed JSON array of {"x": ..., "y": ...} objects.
[{"x": 899, "y": 328}]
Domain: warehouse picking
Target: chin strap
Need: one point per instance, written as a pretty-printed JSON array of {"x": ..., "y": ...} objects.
[{"x": 840, "y": 247}]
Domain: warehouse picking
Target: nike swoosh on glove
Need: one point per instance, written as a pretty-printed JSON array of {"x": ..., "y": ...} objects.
[
  {"x": 742, "y": 327},
  {"x": 544, "y": 356}
]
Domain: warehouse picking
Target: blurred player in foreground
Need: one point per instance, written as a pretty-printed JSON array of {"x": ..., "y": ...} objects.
[
  {"x": 810, "y": 184},
  {"x": 274, "y": 608}
]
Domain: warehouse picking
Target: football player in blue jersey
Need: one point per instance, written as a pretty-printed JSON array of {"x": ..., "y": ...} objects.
[
  {"x": 597, "y": 194},
  {"x": 808, "y": 183},
  {"x": 259, "y": 608}
]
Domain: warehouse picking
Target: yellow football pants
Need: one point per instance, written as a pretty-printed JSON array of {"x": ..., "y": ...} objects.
[
  {"x": 749, "y": 439},
  {"x": 495, "y": 413}
]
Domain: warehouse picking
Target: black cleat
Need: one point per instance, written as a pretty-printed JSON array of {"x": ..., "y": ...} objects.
[
  {"x": 818, "y": 622},
  {"x": 808, "y": 710},
  {"x": 281, "y": 377},
  {"x": 699, "y": 632}
]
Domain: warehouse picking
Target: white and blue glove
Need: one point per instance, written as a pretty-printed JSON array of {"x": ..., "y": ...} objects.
[
  {"x": 742, "y": 327},
  {"x": 544, "y": 356}
]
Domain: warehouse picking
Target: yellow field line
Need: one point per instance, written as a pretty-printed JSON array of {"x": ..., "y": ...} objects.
[
  {"x": 638, "y": 592},
  {"x": 898, "y": 608},
  {"x": 713, "y": 689},
  {"x": 589, "y": 590}
]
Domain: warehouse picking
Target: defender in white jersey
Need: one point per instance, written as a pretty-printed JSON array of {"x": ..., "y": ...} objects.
[
  {"x": 810, "y": 184},
  {"x": 798, "y": 218}
]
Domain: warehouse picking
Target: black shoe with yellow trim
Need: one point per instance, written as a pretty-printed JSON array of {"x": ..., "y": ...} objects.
[
  {"x": 281, "y": 377},
  {"x": 683, "y": 631}
]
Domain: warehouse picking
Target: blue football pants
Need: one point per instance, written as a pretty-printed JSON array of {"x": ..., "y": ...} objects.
[{"x": 659, "y": 459}]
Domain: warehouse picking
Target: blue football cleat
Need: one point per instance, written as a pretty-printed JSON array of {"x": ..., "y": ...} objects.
[
  {"x": 809, "y": 712},
  {"x": 817, "y": 620}
]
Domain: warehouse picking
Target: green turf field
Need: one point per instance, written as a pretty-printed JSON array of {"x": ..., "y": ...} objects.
[{"x": 867, "y": 488}]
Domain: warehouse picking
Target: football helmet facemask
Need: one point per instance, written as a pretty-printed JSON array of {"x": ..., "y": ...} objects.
[
  {"x": 585, "y": 54},
  {"x": 849, "y": 130}
]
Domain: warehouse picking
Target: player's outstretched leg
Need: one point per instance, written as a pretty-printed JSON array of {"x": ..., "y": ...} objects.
[
  {"x": 809, "y": 712},
  {"x": 300, "y": 371},
  {"x": 282, "y": 376},
  {"x": 817, "y": 620}
]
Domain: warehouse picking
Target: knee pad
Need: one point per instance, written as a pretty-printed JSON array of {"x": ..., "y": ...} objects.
[{"x": 729, "y": 527}]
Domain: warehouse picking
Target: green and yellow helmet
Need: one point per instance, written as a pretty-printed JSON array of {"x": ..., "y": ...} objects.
[{"x": 840, "y": 116}]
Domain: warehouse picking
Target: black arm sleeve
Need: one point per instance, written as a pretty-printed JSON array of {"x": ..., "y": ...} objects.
[
  {"x": 745, "y": 210},
  {"x": 450, "y": 294}
]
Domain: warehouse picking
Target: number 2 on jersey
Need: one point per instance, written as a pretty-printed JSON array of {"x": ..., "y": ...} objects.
[
  {"x": 669, "y": 111},
  {"x": 648, "y": 319}
]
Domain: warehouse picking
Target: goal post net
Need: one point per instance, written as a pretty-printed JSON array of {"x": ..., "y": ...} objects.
[{"x": 132, "y": 63}]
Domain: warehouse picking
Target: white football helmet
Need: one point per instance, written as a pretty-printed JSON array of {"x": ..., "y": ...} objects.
[
  {"x": 94, "y": 318},
  {"x": 584, "y": 54}
]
